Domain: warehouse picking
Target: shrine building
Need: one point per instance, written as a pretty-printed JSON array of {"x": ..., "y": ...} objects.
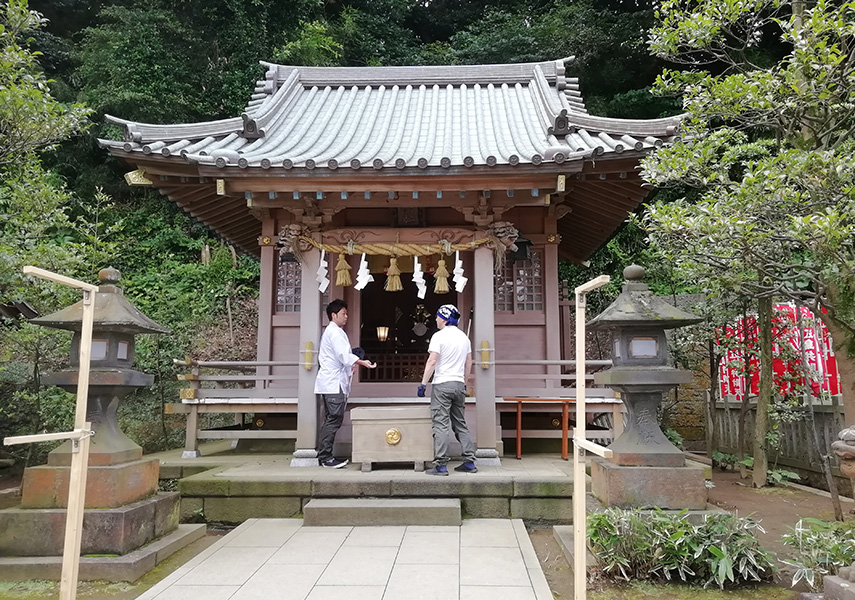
[{"x": 477, "y": 178}]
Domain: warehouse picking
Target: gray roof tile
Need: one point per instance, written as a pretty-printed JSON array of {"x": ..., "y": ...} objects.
[{"x": 400, "y": 117}]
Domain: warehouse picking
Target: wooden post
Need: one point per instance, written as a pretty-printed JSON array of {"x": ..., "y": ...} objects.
[
  {"x": 266, "y": 297},
  {"x": 80, "y": 438},
  {"x": 191, "y": 435},
  {"x": 552, "y": 314},
  {"x": 485, "y": 331},
  {"x": 310, "y": 334},
  {"x": 580, "y": 444}
]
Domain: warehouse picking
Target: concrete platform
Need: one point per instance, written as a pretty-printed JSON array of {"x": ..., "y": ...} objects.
[
  {"x": 128, "y": 567},
  {"x": 287, "y": 560},
  {"x": 382, "y": 511},
  {"x": 231, "y": 488}
]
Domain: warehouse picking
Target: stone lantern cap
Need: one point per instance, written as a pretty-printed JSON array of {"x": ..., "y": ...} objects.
[
  {"x": 112, "y": 311},
  {"x": 638, "y": 306}
]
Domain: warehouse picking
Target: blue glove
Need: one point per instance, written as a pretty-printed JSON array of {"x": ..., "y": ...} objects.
[{"x": 421, "y": 392}]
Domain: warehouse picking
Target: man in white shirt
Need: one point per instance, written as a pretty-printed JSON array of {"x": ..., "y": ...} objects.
[
  {"x": 450, "y": 362},
  {"x": 337, "y": 363}
]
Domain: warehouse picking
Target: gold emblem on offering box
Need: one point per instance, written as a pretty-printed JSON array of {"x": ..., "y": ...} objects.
[{"x": 393, "y": 436}]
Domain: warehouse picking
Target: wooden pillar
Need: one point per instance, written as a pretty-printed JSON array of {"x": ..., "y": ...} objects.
[
  {"x": 550, "y": 306},
  {"x": 485, "y": 376},
  {"x": 305, "y": 454},
  {"x": 266, "y": 298}
]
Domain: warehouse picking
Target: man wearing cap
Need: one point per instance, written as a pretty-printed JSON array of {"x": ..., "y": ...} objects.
[{"x": 450, "y": 361}]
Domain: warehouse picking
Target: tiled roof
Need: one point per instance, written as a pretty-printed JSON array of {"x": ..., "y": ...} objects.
[{"x": 401, "y": 117}]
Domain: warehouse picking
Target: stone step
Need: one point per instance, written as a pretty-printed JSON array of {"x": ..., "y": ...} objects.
[{"x": 382, "y": 511}]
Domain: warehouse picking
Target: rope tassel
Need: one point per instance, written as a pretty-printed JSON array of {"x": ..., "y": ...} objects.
[
  {"x": 393, "y": 276},
  {"x": 342, "y": 272},
  {"x": 441, "y": 275}
]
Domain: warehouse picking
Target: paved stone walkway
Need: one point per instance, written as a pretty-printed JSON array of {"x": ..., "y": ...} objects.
[{"x": 280, "y": 559}]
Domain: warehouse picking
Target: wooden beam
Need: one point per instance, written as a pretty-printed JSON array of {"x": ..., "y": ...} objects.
[{"x": 376, "y": 184}]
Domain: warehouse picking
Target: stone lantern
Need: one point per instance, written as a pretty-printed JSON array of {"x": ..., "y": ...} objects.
[
  {"x": 642, "y": 373},
  {"x": 126, "y": 519},
  {"x": 111, "y": 376}
]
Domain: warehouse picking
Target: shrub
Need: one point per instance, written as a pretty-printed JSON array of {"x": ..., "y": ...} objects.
[
  {"x": 823, "y": 549},
  {"x": 723, "y": 461},
  {"x": 674, "y": 437},
  {"x": 723, "y": 549}
]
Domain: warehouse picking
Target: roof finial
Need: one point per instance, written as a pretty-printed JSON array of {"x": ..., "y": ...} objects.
[{"x": 633, "y": 273}]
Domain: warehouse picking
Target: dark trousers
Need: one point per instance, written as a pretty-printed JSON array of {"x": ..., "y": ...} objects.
[{"x": 334, "y": 405}]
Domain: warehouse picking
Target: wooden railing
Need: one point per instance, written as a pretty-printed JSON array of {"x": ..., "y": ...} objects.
[
  {"x": 236, "y": 387},
  {"x": 213, "y": 387}
]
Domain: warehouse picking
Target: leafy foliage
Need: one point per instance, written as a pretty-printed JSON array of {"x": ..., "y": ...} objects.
[
  {"x": 779, "y": 131},
  {"x": 723, "y": 460},
  {"x": 822, "y": 549},
  {"x": 31, "y": 119},
  {"x": 723, "y": 549}
]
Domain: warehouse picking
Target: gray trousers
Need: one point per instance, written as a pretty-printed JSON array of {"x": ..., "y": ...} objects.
[
  {"x": 447, "y": 413},
  {"x": 334, "y": 405}
]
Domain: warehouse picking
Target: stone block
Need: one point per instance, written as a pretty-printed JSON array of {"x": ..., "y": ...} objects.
[
  {"x": 455, "y": 486},
  {"x": 543, "y": 487},
  {"x": 190, "y": 510},
  {"x": 170, "y": 472},
  {"x": 564, "y": 535},
  {"x": 166, "y": 515},
  {"x": 382, "y": 511},
  {"x": 350, "y": 488},
  {"x": 205, "y": 484},
  {"x": 238, "y": 510},
  {"x": 129, "y": 567},
  {"x": 648, "y": 487},
  {"x": 106, "y": 486},
  {"x": 542, "y": 509},
  {"x": 41, "y": 532},
  {"x": 477, "y": 507},
  {"x": 260, "y": 487},
  {"x": 837, "y": 588},
  {"x": 707, "y": 468}
]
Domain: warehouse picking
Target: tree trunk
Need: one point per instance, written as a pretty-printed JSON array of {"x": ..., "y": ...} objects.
[
  {"x": 712, "y": 429},
  {"x": 764, "y": 397},
  {"x": 746, "y": 394}
]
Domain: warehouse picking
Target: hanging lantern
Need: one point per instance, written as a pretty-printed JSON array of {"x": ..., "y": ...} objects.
[
  {"x": 342, "y": 272},
  {"x": 393, "y": 276},
  {"x": 441, "y": 275}
]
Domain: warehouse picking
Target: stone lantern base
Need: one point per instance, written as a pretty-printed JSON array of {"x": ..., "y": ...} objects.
[
  {"x": 648, "y": 487},
  {"x": 106, "y": 486}
]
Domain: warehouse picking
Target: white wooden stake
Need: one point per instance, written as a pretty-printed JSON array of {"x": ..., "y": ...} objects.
[
  {"x": 580, "y": 444},
  {"x": 79, "y": 438}
]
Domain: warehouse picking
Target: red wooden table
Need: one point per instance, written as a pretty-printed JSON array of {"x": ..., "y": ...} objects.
[{"x": 592, "y": 405}]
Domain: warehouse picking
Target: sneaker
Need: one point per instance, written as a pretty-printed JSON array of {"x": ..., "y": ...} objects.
[
  {"x": 467, "y": 467},
  {"x": 438, "y": 470},
  {"x": 334, "y": 463}
]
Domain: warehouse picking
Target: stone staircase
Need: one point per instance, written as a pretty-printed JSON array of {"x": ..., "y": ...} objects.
[{"x": 382, "y": 511}]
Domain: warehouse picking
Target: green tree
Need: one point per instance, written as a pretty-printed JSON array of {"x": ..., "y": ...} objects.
[
  {"x": 30, "y": 119},
  {"x": 769, "y": 148},
  {"x": 34, "y": 223}
]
